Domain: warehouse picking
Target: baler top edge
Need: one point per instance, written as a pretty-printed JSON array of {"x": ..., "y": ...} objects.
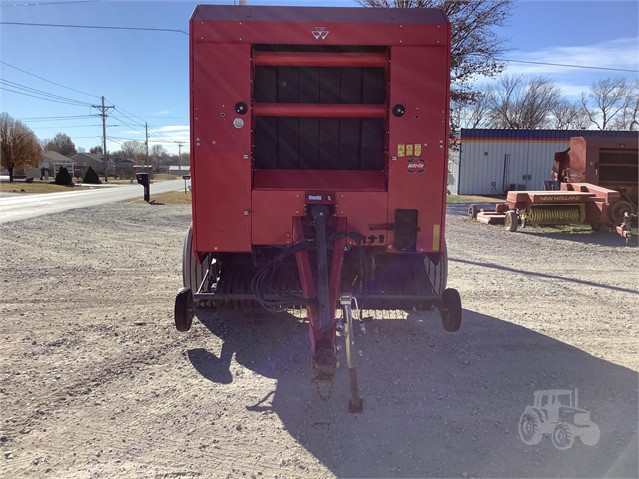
[{"x": 261, "y": 13}]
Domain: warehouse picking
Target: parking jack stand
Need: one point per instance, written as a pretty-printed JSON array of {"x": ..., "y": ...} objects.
[{"x": 355, "y": 403}]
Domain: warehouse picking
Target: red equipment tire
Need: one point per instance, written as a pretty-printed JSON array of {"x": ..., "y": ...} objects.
[
  {"x": 452, "y": 310},
  {"x": 192, "y": 271},
  {"x": 472, "y": 211}
]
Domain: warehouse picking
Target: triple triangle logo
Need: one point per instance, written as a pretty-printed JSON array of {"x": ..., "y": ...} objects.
[{"x": 320, "y": 32}]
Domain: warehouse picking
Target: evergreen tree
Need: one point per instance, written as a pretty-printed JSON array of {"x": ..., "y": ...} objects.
[
  {"x": 91, "y": 177},
  {"x": 63, "y": 177}
]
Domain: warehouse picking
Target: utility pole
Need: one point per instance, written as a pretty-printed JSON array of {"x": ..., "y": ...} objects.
[
  {"x": 180, "y": 156},
  {"x": 146, "y": 129},
  {"x": 103, "y": 109}
]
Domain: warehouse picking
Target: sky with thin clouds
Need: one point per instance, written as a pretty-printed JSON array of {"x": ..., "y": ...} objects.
[{"x": 144, "y": 74}]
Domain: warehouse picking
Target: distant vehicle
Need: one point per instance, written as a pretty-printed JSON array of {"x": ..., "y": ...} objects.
[{"x": 555, "y": 412}]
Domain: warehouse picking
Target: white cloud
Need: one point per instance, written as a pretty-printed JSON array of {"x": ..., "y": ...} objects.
[
  {"x": 173, "y": 128},
  {"x": 621, "y": 53}
]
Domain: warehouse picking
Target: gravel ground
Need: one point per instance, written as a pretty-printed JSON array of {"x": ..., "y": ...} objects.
[{"x": 96, "y": 383}]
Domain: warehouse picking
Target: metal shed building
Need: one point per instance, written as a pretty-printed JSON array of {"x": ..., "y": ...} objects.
[{"x": 492, "y": 162}]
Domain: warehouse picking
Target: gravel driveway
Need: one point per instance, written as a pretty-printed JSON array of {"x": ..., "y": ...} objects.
[{"x": 96, "y": 382}]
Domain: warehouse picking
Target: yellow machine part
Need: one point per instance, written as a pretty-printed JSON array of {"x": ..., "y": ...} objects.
[{"x": 556, "y": 214}]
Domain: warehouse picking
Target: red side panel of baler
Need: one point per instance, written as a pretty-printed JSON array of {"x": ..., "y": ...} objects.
[
  {"x": 418, "y": 140},
  {"x": 221, "y": 147}
]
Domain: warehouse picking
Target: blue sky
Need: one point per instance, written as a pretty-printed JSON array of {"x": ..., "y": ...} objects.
[{"x": 145, "y": 74}]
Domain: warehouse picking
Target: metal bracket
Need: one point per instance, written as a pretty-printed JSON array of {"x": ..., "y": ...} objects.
[{"x": 355, "y": 403}]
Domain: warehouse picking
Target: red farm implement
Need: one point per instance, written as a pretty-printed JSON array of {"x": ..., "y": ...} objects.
[
  {"x": 594, "y": 181},
  {"x": 319, "y": 159}
]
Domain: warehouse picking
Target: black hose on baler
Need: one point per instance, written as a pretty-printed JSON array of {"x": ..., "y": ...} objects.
[{"x": 261, "y": 281}]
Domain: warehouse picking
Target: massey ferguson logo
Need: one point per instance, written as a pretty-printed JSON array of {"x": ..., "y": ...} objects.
[
  {"x": 320, "y": 32},
  {"x": 415, "y": 165}
]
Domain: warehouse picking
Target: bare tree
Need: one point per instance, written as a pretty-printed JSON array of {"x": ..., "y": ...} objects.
[
  {"x": 63, "y": 144},
  {"x": 605, "y": 100},
  {"x": 97, "y": 150},
  {"x": 628, "y": 117},
  {"x": 474, "y": 113},
  {"x": 157, "y": 151},
  {"x": 19, "y": 146},
  {"x": 131, "y": 148},
  {"x": 521, "y": 102},
  {"x": 474, "y": 44},
  {"x": 566, "y": 115}
]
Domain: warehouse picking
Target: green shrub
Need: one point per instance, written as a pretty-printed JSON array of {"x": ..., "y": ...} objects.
[
  {"x": 63, "y": 177},
  {"x": 91, "y": 177}
]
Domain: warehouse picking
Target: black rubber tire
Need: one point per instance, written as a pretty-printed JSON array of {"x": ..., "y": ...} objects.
[
  {"x": 472, "y": 211},
  {"x": 452, "y": 310},
  {"x": 438, "y": 273},
  {"x": 511, "y": 221},
  {"x": 183, "y": 310},
  {"x": 192, "y": 271},
  {"x": 618, "y": 209}
]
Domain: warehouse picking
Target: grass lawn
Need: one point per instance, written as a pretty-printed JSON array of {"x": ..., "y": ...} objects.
[{"x": 35, "y": 187}]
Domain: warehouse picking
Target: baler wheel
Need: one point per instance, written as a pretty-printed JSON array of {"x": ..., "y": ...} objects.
[
  {"x": 183, "y": 312},
  {"x": 472, "y": 211},
  {"x": 438, "y": 273},
  {"x": 452, "y": 310},
  {"x": 192, "y": 271},
  {"x": 511, "y": 221}
]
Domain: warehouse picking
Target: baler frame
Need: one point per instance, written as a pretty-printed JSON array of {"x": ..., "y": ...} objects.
[{"x": 339, "y": 173}]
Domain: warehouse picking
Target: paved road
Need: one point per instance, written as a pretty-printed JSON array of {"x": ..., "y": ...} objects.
[{"x": 21, "y": 207}]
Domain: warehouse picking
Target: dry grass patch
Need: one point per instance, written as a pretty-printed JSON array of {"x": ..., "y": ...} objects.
[
  {"x": 474, "y": 199},
  {"x": 172, "y": 198}
]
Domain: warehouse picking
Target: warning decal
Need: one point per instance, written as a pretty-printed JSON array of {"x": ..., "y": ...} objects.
[{"x": 409, "y": 149}]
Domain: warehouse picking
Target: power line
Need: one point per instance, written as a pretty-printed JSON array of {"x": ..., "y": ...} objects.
[
  {"x": 44, "y": 4},
  {"x": 68, "y": 126},
  {"x": 567, "y": 65},
  {"x": 97, "y": 27},
  {"x": 38, "y": 119},
  {"x": 130, "y": 115},
  {"x": 45, "y": 95},
  {"x": 49, "y": 81},
  {"x": 40, "y": 97}
]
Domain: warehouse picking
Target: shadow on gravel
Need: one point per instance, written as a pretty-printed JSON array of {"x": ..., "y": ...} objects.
[
  {"x": 590, "y": 237},
  {"x": 544, "y": 275},
  {"x": 435, "y": 403}
]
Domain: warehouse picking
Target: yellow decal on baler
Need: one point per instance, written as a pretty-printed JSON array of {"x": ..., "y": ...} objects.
[
  {"x": 401, "y": 150},
  {"x": 418, "y": 149},
  {"x": 436, "y": 233},
  {"x": 409, "y": 150}
]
